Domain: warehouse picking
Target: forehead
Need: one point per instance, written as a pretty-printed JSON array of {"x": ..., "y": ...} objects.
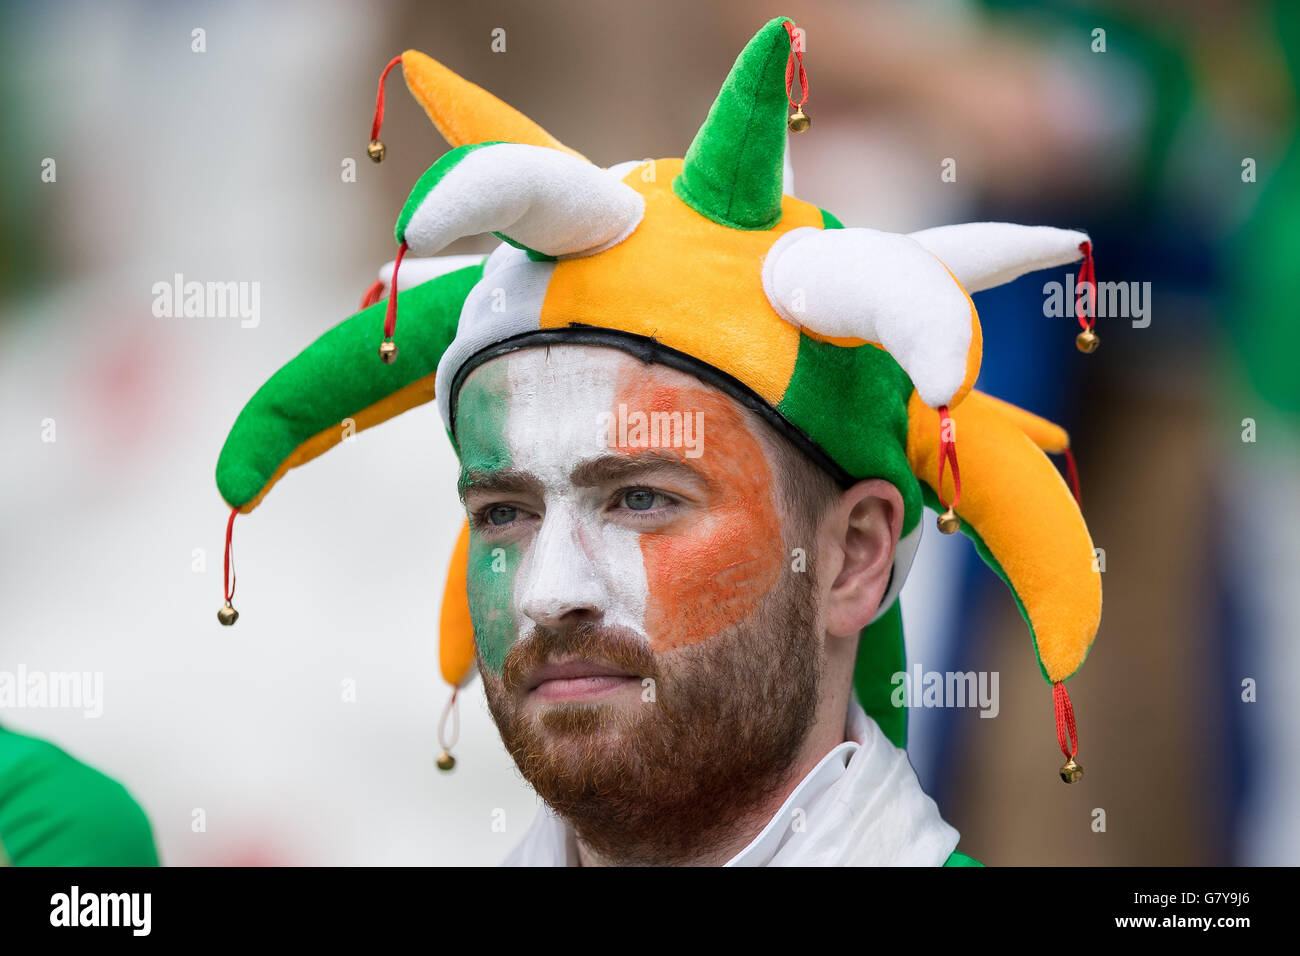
[
  {"x": 557, "y": 402},
  {"x": 573, "y": 373}
]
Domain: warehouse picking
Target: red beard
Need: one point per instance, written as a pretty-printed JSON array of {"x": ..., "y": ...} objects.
[{"x": 668, "y": 781}]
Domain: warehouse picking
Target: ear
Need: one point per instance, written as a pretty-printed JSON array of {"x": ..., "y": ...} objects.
[{"x": 858, "y": 541}]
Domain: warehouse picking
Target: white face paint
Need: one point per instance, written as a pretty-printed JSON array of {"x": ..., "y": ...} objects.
[
  {"x": 571, "y": 512},
  {"x": 577, "y": 558}
]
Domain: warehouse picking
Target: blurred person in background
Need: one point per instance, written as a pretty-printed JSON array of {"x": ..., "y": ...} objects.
[
  {"x": 1256, "y": 485},
  {"x": 56, "y": 811}
]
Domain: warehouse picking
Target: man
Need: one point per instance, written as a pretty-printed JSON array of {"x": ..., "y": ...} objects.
[
  {"x": 697, "y": 421},
  {"x": 671, "y": 673}
]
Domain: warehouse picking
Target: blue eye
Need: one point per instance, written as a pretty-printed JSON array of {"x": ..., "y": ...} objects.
[
  {"x": 502, "y": 514},
  {"x": 639, "y": 500}
]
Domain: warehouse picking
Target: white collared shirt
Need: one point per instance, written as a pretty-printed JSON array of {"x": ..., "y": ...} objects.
[{"x": 862, "y": 805}]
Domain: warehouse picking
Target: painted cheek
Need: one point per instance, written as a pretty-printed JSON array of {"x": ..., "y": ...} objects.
[
  {"x": 620, "y": 564},
  {"x": 491, "y": 569},
  {"x": 711, "y": 573},
  {"x": 490, "y": 582}
]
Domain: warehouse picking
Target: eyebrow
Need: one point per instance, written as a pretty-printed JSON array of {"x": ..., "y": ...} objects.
[
  {"x": 596, "y": 471},
  {"x": 609, "y": 468},
  {"x": 508, "y": 480}
]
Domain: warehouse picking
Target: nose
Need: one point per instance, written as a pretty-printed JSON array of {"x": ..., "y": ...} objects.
[{"x": 561, "y": 584}]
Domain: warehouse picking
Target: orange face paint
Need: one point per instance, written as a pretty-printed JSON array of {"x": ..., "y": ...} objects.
[{"x": 709, "y": 571}]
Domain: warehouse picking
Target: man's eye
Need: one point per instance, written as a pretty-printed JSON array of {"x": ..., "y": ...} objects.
[
  {"x": 639, "y": 499},
  {"x": 502, "y": 514}
]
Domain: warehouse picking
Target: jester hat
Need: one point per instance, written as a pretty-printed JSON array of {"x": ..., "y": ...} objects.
[{"x": 861, "y": 347}]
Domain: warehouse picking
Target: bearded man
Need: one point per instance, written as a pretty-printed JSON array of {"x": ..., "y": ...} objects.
[
  {"x": 697, "y": 421},
  {"x": 669, "y": 656}
]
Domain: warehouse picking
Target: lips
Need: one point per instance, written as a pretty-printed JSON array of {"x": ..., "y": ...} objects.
[{"x": 577, "y": 679}]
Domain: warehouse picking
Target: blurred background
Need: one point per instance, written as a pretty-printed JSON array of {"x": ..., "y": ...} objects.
[{"x": 306, "y": 734}]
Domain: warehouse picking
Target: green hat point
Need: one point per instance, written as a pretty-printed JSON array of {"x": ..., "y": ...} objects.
[{"x": 732, "y": 173}]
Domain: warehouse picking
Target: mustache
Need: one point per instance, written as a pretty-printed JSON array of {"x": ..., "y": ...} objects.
[{"x": 617, "y": 646}]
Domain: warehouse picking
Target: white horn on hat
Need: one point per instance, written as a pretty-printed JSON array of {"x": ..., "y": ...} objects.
[
  {"x": 986, "y": 254},
  {"x": 877, "y": 286},
  {"x": 540, "y": 198}
]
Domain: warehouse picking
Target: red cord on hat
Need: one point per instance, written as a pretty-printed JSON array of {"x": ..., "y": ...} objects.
[
  {"x": 390, "y": 319},
  {"x": 1087, "y": 277},
  {"x": 373, "y": 294},
  {"x": 948, "y": 455},
  {"x": 796, "y": 53},
  {"x": 379, "y": 100},
  {"x": 1073, "y": 472},
  {"x": 1065, "y": 720},
  {"x": 228, "y": 588}
]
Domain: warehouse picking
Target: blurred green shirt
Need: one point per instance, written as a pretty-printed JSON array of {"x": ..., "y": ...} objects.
[{"x": 56, "y": 811}]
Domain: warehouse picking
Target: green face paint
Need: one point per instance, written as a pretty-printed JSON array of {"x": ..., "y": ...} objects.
[
  {"x": 490, "y": 581},
  {"x": 490, "y": 575},
  {"x": 481, "y": 416}
]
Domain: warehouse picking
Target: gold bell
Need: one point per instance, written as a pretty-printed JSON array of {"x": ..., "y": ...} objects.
[
  {"x": 376, "y": 151},
  {"x": 446, "y": 761},
  {"x": 388, "y": 352},
  {"x": 949, "y": 523},
  {"x": 1071, "y": 772},
  {"x": 1087, "y": 341},
  {"x": 798, "y": 121},
  {"x": 227, "y": 615}
]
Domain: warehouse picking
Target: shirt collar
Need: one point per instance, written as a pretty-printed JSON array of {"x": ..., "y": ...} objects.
[{"x": 793, "y": 812}]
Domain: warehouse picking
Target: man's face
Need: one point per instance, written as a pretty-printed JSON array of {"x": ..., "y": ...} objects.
[{"x": 649, "y": 654}]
